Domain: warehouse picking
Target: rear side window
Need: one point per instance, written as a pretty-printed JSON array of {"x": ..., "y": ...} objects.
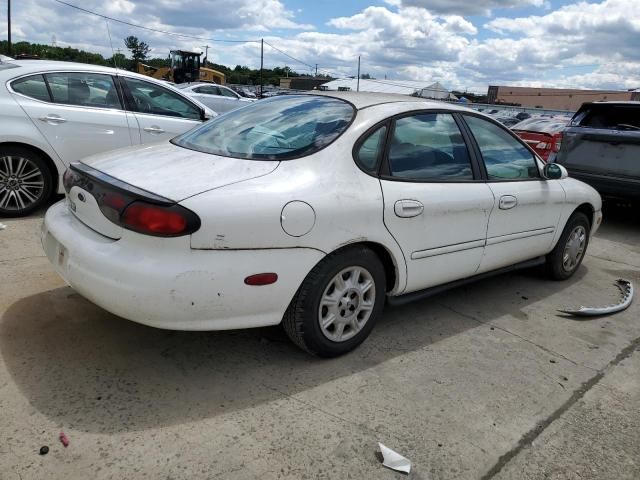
[
  {"x": 228, "y": 93},
  {"x": 429, "y": 146},
  {"x": 33, "y": 87},
  {"x": 505, "y": 158},
  {"x": 94, "y": 90},
  {"x": 371, "y": 148},
  {"x": 278, "y": 128},
  {"x": 608, "y": 116},
  {"x": 207, "y": 90}
]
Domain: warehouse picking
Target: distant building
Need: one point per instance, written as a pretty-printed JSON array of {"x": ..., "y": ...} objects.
[
  {"x": 302, "y": 83},
  {"x": 554, "y": 98},
  {"x": 403, "y": 87}
]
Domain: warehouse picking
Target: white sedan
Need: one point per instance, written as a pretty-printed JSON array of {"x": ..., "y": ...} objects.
[
  {"x": 310, "y": 211},
  {"x": 218, "y": 98},
  {"x": 55, "y": 113}
]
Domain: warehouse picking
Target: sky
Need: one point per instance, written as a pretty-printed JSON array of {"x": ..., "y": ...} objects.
[{"x": 463, "y": 44}]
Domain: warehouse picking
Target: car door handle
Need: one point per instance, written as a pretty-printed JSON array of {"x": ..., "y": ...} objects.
[
  {"x": 52, "y": 119},
  {"x": 408, "y": 208},
  {"x": 153, "y": 129},
  {"x": 507, "y": 202}
]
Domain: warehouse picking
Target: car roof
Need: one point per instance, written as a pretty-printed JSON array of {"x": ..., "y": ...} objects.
[
  {"x": 362, "y": 100},
  {"x": 25, "y": 67}
]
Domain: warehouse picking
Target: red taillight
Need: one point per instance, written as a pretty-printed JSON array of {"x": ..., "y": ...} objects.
[
  {"x": 261, "y": 279},
  {"x": 164, "y": 221}
]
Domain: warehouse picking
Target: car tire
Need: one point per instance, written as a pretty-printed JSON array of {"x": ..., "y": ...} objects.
[
  {"x": 26, "y": 182},
  {"x": 566, "y": 257},
  {"x": 358, "y": 304}
]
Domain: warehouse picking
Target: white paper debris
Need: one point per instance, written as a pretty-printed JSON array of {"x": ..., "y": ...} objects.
[
  {"x": 394, "y": 460},
  {"x": 2, "y": 226}
]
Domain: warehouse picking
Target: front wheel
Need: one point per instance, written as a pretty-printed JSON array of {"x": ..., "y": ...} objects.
[
  {"x": 338, "y": 304},
  {"x": 566, "y": 257}
]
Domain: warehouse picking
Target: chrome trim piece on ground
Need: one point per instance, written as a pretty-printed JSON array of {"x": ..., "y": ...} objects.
[{"x": 625, "y": 286}]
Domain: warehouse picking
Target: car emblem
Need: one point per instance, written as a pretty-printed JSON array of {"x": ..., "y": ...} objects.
[{"x": 81, "y": 197}]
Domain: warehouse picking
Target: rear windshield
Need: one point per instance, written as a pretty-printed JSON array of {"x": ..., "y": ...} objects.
[
  {"x": 279, "y": 128},
  {"x": 610, "y": 116},
  {"x": 541, "y": 126}
]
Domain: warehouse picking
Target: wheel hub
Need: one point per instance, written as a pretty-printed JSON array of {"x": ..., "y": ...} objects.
[
  {"x": 346, "y": 304},
  {"x": 574, "y": 248},
  {"x": 21, "y": 183}
]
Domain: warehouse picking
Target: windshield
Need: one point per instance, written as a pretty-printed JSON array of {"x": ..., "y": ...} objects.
[
  {"x": 608, "y": 116},
  {"x": 279, "y": 128},
  {"x": 541, "y": 125}
]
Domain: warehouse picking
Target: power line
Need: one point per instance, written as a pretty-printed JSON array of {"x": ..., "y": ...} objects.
[
  {"x": 290, "y": 56},
  {"x": 165, "y": 32}
]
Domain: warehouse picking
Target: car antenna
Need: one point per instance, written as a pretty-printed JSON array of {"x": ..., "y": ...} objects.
[{"x": 113, "y": 53}]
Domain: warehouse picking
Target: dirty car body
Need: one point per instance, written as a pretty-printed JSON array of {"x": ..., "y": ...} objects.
[{"x": 312, "y": 209}]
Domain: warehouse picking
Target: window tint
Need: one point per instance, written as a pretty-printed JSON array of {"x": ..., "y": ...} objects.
[
  {"x": 154, "y": 99},
  {"x": 609, "y": 116},
  {"x": 207, "y": 90},
  {"x": 278, "y": 128},
  {"x": 228, "y": 93},
  {"x": 83, "y": 89},
  {"x": 504, "y": 156},
  {"x": 370, "y": 149},
  {"x": 429, "y": 146},
  {"x": 33, "y": 87}
]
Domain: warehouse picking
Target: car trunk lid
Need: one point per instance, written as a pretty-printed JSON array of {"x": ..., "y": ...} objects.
[{"x": 176, "y": 173}]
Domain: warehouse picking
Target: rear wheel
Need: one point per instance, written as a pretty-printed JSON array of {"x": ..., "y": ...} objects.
[
  {"x": 25, "y": 181},
  {"x": 566, "y": 257},
  {"x": 337, "y": 305}
]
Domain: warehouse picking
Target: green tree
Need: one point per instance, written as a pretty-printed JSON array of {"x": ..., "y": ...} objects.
[{"x": 139, "y": 50}]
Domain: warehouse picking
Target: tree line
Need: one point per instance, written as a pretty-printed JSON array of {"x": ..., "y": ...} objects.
[{"x": 139, "y": 52}]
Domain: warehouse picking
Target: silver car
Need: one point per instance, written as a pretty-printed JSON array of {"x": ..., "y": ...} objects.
[
  {"x": 55, "y": 113},
  {"x": 218, "y": 98}
]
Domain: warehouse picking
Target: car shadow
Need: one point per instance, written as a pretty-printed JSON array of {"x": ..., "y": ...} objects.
[
  {"x": 89, "y": 370},
  {"x": 621, "y": 223}
]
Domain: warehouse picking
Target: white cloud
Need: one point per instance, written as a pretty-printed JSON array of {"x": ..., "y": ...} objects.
[{"x": 466, "y": 7}]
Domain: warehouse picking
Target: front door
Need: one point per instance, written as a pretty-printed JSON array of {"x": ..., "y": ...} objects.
[
  {"x": 161, "y": 113},
  {"x": 79, "y": 113},
  {"x": 527, "y": 207},
  {"x": 434, "y": 203}
]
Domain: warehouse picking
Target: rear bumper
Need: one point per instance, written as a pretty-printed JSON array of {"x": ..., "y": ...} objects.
[{"x": 165, "y": 284}]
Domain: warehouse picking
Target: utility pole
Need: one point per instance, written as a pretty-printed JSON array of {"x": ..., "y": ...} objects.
[
  {"x": 316, "y": 69},
  {"x": 9, "y": 27},
  {"x": 358, "y": 84},
  {"x": 261, "y": 62}
]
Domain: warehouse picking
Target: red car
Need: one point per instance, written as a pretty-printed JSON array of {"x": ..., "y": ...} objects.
[{"x": 544, "y": 135}]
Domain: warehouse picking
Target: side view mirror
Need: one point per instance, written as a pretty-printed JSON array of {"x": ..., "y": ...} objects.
[{"x": 553, "y": 171}]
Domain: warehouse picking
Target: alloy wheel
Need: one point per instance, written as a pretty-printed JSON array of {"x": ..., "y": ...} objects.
[
  {"x": 346, "y": 304},
  {"x": 21, "y": 183}
]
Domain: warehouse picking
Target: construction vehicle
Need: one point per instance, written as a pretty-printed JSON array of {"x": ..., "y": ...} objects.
[{"x": 185, "y": 67}]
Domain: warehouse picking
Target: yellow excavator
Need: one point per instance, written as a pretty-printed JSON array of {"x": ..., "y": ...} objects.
[{"x": 185, "y": 67}]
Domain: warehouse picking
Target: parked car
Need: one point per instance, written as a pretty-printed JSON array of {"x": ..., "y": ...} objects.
[
  {"x": 217, "y": 97},
  {"x": 543, "y": 135},
  {"x": 309, "y": 210},
  {"x": 55, "y": 113},
  {"x": 601, "y": 146}
]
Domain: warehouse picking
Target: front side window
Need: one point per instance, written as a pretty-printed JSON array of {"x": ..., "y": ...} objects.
[
  {"x": 429, "y": 147},
  {"x": 33, "y": 87},
  {"x": 278, "y": 128},
  {"x": 228, "y": 93},
  {"x": 207, "y": 90},
  {"x": 83, "y": 89},
  {"x": 504, "y": 157},
  {"x": 371, "y": 148},
  {"x": 156, "y": 100}
]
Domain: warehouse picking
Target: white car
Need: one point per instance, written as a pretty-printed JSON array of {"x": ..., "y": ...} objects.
[
  {"x": 310, "y": 210},
  {"x": 217, "y": 97},
  {"x": 55, "y": 113}
]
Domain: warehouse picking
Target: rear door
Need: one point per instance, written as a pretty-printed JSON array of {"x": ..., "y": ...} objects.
[
  {"x": 435, "y": 204},
  {"x": 79, "y": 113},
  {"x": 161, "y": 113},
  {"x": 527, "y": 207}
]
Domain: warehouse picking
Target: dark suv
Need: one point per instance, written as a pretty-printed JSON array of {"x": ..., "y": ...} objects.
[{"x": 601, "y": 147}]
